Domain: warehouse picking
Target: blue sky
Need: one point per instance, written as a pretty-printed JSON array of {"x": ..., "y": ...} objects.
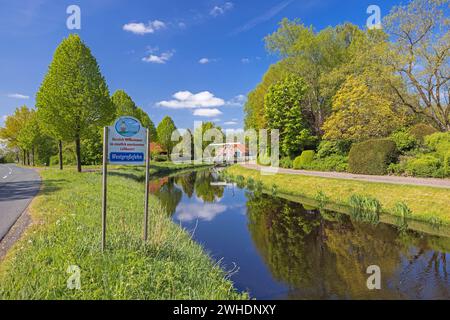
[{"x": 192, "y": 60}]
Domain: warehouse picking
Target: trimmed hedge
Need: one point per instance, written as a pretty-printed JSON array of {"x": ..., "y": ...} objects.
[
  {"x": 305, "y": 159},
  {"x": 372, "y": 157}
]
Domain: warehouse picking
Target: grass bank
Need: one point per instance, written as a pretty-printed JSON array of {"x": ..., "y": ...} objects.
[
  {"x": 66, "y": 232},
  {"x": 426, "y": 203}
]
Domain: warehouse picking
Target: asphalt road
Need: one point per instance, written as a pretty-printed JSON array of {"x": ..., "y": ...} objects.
[{"x": 18, "y": 186}]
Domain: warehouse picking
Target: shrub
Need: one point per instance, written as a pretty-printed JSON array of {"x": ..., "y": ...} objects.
[
  {"x": 404, "y": 140},
  {"x": 447, "y": 164},
  {"x": 329, "y": 148},
  {"x": 305, "y": 159},
  {"x": 332, "y": 163},
  {"x": 161, "y": 158},
  {"x": 439, "y": 142},
  {"x": 421, "y": 130},
  {"x": 372, "y": 156},
  {"x": 397, "y": 169},
  {"x": 286, "y": 163},
  {"x": 425, "y": 165},
  {"x": 264, "y": 160}
]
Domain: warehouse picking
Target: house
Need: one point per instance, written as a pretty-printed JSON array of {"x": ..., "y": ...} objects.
[{"x": 230, "y": 152}]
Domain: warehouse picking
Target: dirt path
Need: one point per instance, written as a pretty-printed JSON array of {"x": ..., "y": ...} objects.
[{"x": 427, "y": 182}]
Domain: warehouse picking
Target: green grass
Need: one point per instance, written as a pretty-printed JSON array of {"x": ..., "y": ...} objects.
[
  {"x": 66, "y": 231},
  {"x": 425, "y": 203}
]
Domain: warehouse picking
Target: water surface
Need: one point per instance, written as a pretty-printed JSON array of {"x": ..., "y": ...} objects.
[{"x": 278, "y": 249}]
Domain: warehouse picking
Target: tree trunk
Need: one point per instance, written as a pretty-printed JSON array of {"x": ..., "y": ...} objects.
[
  {"x": 28, "y": 158},
  {"x": 78, "y": 152},
  {"x": 24, "y": 156},
  {"x": 60, "y": 155},
  {"x": 32, "y": 156}
]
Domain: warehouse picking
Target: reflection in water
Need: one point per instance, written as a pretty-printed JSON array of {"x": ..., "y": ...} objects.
[{"x": 286, "y": 251}]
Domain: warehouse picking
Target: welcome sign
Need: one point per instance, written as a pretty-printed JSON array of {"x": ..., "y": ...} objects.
[{"x": 127, "y": 143}]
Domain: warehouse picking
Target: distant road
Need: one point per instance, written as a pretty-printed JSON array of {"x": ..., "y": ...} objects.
[
  {"x": 424, "y": 182},
  {"x": 18, "y": 186}
]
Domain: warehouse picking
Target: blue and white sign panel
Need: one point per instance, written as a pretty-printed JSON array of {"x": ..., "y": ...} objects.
[{"x": 127, "y": 143}]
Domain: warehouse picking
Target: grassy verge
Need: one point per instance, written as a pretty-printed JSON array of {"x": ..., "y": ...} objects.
[
  {"x": 426, "y": 203},
  {"x": 66, "y": 232}
]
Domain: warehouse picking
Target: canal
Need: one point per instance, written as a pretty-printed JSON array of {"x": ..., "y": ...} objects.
[{"x": 273, "y": 248}]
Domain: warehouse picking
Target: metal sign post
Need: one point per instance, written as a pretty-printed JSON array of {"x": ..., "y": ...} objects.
[
  {"x": 125, "y": 143},
  {"x": 105, "y": 175},
  {"x": 147, "y": 177}
]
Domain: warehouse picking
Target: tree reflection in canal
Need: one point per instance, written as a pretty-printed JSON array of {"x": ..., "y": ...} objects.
[{"x": 286, "y": 251}]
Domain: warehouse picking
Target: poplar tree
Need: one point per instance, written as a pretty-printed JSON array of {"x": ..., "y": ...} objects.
[{"x": 73, "y": 98}]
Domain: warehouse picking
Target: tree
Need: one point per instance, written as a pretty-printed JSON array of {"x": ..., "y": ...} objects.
[
  {"x": 147, "y": 123},
  {"x": 200, "y": 133},
  {"x": 30, "y": 134},
  {"x": 283, "y": 111},
  {"x": 125, "y": 106},
  {"x": 73, "y": 97},
  {"x": 165, "y": 129},
  {"x": 313, "y": 56},
  {"x": 361, "y": 113},
  {"x": 420, "y": 54},
  {"x": 254, "y": 107},
  {"x": 13, "y": 127}
]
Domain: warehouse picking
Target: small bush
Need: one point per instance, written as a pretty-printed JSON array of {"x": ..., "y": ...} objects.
[
  {"x": 330, "y": 148},
  {"x": 372, "y": 156},
  {"x": 447, "y": 164},
  {"x": 332, "y": 163},
  {"x": 161, "y": 158},
  {"x": 421, "y": 130},
  {"x": 439, "y": 142},
  {"x": 404, "y": 140},
  {"x": 264, "y": 160},
  {"x": 304, "y": 160},
  {"x": 425, "y": 165},
  {"x": 286, "y": 163}
]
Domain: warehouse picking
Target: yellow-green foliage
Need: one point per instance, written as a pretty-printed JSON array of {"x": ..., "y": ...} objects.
[
  {"x": 440, "y": 142},
  {"x": 423, "y": 166},
  {"x": 447, "y": 164},
  {"x": 360, "y": 113},
  {"x": 305, "y": 159}
]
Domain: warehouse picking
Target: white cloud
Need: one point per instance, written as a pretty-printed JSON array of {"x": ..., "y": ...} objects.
[
  {"x": 230, "y": 123},
  {"x": 202, "y": 211},
  {"x": 17, "y": 96},
  {"x": 161, "y": 59},
  {"x": 204, "y": 61},
  {"x": 209, "y": 113},
  {"x": 237, "y": 101},
  {"x": 188, "y": 100},
  {"x": 141, "y": 28},
  {"x": 220, "y": 10},
  {"x": 182, "y": 25},
  {"x": 245, "y": 60}
]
